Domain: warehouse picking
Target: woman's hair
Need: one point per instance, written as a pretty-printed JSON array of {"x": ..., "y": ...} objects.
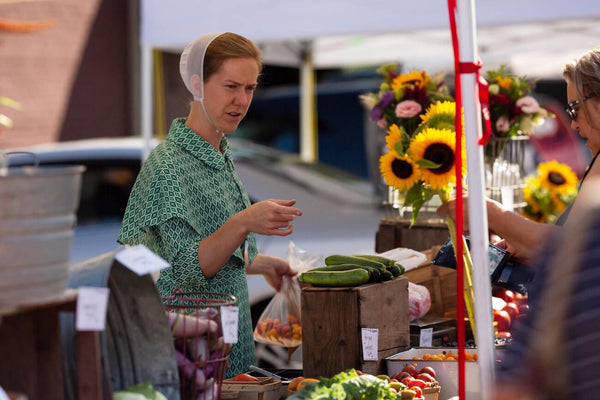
[
  {"x": 229, "y": 45},
  {"x": 584, "y": 74}
]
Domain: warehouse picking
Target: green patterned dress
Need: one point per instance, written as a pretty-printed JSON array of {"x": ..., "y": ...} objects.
[{"x": 185, "y": 191}]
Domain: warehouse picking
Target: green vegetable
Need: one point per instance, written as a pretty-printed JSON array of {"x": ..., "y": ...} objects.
[
  {"x": 336, "y": 259},
  {"x": 352, "y": 277},
  {"x": 347, "y": 385},
  {"x": 374, "y": 273},
  {"x": 142, "y": 391},
  {"x": 385, "y": 261}
]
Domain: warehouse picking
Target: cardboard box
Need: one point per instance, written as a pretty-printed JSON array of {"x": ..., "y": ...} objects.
[{"x": 332, "y": 319}]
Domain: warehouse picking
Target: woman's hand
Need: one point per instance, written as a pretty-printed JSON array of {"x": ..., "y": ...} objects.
[
  {"x": 273, "y": 269},
  {"x": 448, "y": 209},
  {"x": 271, "y": 217}
]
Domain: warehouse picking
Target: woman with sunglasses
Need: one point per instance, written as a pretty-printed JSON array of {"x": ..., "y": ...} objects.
[{"x": 523, "y": 237}]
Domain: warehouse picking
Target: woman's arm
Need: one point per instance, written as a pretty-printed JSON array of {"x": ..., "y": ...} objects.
[{"x": 268, "y": 217}]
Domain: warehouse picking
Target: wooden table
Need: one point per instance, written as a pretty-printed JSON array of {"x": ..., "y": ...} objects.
[{"x": 31, "y": 354}]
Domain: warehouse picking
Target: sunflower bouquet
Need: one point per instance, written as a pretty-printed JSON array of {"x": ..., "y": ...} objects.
[
  {"x": 424, "y": 165},
  {"x": 403, "y": 98},
  {"x": 549, "y": 192}
]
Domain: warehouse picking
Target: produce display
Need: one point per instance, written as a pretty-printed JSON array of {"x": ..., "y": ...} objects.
[
  {"x": 286, "y": 333},
  {"x": 142, "y": 391},
  {"x": 352, "y": 270},
  {"x": 200, "y": 351},
  {"x": 445, "y": 356},
  {"x": 353, "y": 384},
  {"x": 508, "y": 306}
]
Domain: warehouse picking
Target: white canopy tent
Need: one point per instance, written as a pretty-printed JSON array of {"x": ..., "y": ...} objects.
[{"x": 529, "y": 35}]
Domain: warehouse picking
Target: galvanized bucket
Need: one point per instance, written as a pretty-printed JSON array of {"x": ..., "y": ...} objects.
[{"x": 37, "y": 217}]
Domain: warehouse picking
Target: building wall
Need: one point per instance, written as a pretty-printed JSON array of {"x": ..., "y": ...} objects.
[{"x": 71, "y": 79}]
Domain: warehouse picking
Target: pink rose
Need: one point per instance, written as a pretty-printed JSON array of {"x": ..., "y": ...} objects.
[
  {"x": 382, "y": 123},
  {"x": 502, "y": 125},
  {"x": 408, "y": 109},
  {"x": 528, "y": 105}
]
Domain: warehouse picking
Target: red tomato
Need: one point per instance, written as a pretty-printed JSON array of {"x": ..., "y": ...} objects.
[
  {"x": 427, "y": 370},
  {"x": 502, "y": 317},
  {"x": 245, "y": 378},
  {"x": 401, "y": 375},
  {"x": 407, "y": 380},
  {"x": 410, "y": 368},
  {"x": 425, "y": 377},
  {"x": 417, "y": 390},
  {"x": 418, "y": 382},
  {"x": 506, "y": 295},
  {"x": 513, "y": 310}
]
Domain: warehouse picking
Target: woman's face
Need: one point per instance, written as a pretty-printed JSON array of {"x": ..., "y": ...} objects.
[
  {"x": 228, "y": 92},
  {"x": 587, "y": 124}
]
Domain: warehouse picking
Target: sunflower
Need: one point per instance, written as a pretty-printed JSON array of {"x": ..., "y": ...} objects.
[
  {"x": 556, "y": 177},
  {"x": 394, "y": 134},
  {"x": 439, "y": 115},
  {"x": 400, "y": 172},
  {"x": 436, "y": 146},
  {"x": 417, "y": 78}
]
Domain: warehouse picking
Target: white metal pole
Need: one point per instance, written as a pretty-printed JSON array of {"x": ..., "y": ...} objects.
[
  {"x": 478, "y": 226},
  {"x": 308, "y": 135},
  {"x": 146, "y": 100}
]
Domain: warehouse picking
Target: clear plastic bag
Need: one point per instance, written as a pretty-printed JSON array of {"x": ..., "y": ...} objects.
[
  {"x": 280, "y": 322},
  {"x": 419, "y": 301}
]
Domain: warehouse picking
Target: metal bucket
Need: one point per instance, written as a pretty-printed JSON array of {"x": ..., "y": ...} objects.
[
  {"x": 137, "y": 345},
  {"x": 37, "y": 217}
]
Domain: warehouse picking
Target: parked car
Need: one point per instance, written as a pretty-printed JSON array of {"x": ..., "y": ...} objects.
[{"x": 340, "y": 211}]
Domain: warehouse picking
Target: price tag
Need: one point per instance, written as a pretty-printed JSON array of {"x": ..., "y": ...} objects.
[
  {"x": 229, "y": 323},
  {"x": 426, "y": 337},
  {"x": 141, "y": 260},
  {"x": 92, "y": 303},
  {"x": 369, "y": 343}
]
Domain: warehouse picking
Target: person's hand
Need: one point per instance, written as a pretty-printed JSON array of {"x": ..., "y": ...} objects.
[
  {"x": 272, "y": 268},
  {"x": 448, "y": 209},
  {"x": 271, "y": 217}
]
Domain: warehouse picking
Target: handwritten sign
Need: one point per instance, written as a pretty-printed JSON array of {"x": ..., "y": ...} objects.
[
  {"x": 92, "y": 303},
  {"x": 370, "y": 337},
  {"x": 229, "y": 323},
  {"x": 426, "y": 337},
  {"x": 141, "y": 260}
]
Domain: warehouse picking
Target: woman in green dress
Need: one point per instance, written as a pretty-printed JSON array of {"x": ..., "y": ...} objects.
[{"x": 188, "y": 204}]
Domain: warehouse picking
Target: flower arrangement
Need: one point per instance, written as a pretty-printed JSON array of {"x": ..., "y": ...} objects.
[
  {"x": 549, "y": 192},
  {"x": 403, "y": 98},
  {"x": 423, "y": 165},
  {"x": 513, "y": 111}
]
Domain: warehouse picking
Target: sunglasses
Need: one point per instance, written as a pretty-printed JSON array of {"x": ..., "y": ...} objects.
[{"x": 571, "y": 112}]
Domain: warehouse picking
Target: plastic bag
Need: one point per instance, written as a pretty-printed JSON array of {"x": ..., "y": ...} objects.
[
  {"x": 419, "y": 301},
  {"x": 279, "y": 324}
]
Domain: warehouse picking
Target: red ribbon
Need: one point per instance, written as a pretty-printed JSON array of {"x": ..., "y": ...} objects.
[
  {"x": 460, "y": 287},
  {"x": 484, "y": 97}
]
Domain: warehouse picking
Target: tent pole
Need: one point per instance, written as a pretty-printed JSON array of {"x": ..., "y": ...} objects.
[
  {"x": 308, "y": 108},
  {"x": 146, "y": 99},
  {"x": 477, "y": 210}
]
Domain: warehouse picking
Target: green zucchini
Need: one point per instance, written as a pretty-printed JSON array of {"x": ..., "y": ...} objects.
[
  {"x": 352, "y": 277},
  {"x": 402, "y": 269},
  {"x": 385, "y": 261},
  {"x": 387, "y": 276},
  {"x": 374, "y": 273},
  {"x": 395, "y": 270},
  {"x": 336, "y": 259}
]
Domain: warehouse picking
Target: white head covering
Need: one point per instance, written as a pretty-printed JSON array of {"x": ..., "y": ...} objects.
[{"x": 192, "y": 62}]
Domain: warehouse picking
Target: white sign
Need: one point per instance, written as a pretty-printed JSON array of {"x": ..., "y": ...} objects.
[
  {"x": 426, "y": 337},
  {"x": 229, "y": 323},
  {"x": 92, "y": 303},
  {"x": 141, "y": 260},
  {"x": 370, "y": 337}
]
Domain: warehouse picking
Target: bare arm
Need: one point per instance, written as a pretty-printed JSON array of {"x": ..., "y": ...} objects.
[
  {"x": 521, "y": 235},
  {"x": 268, "y": 217}
]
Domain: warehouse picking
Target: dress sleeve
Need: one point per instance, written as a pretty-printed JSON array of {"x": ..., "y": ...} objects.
[{"x": 180, "y": 248}]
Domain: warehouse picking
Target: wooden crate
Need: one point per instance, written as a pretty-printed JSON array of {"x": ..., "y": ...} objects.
[
  {"x": 422, "y": 235},
  {"x": 440, "y": 281},
  {"x": 332, "y": 319}
]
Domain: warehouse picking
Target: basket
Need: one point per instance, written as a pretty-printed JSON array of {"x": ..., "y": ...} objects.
[{"x": 195, "y": 320}]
